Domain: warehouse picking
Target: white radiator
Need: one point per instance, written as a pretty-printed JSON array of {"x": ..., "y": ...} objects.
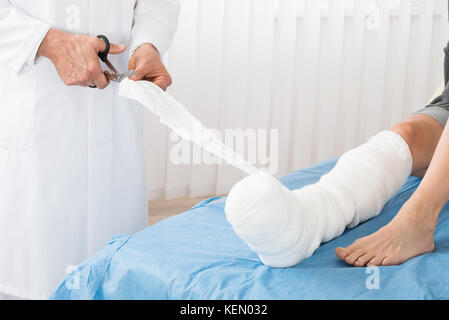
[{"x": 327, "y": 74}]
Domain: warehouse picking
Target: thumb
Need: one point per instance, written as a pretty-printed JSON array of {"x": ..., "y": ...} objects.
[{"x": 117, "y": 48}]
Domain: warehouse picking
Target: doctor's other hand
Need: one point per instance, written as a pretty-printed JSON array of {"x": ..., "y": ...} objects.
[
  {"x": 148, "y": 66},
  {"x": 75, "y": 57}
]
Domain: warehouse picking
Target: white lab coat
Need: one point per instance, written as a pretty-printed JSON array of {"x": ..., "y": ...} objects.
[{"x": 71, "y": 158}]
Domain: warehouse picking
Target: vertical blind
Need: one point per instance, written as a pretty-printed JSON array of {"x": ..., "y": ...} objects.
[{"x": 327, "y": 74}]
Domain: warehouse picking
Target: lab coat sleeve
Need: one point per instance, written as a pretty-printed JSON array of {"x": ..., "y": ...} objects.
[
  {"x": 154, "y": 22},
  {"x": 20, "y": 38}
]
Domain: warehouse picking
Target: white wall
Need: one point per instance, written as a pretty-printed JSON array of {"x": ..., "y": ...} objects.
[{"x": 326, "y": 73}]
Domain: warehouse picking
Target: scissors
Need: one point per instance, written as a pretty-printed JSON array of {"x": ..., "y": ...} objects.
[{"x": 114, "y": 75}]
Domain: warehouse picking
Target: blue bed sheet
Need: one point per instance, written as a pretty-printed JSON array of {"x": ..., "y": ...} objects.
[{"x": 197, "y": 255}]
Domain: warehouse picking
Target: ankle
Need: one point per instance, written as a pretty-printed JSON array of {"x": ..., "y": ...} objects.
[{"x": 422, "y": 212}]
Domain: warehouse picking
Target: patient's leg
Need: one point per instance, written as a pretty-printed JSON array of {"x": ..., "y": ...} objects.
[
  {"x": 285, "y": 227},
  {"x": 410, "y": 233}
]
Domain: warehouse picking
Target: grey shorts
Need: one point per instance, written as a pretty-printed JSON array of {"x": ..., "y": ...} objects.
[
  {"x": 439, "y": 113},
  {"x": 439, "y": 107}
]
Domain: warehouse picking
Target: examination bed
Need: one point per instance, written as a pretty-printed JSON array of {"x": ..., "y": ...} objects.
[{"x": 197, "y": 255}]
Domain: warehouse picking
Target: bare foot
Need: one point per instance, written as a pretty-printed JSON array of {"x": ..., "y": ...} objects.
[{"x": 408, "y": 235}]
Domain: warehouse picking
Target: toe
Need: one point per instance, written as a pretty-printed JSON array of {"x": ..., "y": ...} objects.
[
  {"x": 363, "y": 260},
  {"x": 375, "y": 261},
  {"x": 350, "y": 259},
  {"x": 342, "y": 253},
  {"x": 388, "y": 261}
]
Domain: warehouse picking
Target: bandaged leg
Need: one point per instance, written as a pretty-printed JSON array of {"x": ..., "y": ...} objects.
[{"x": 284, "y": 227}]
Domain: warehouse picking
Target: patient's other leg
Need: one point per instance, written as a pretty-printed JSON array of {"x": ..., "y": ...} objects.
[{"x": 409, "y": 234}]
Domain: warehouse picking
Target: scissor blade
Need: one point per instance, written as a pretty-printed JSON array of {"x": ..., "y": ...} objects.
[{"x": 111, "y": 67}]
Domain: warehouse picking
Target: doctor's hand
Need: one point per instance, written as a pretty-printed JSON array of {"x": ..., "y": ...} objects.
[
  {"x": 76, "y": 57},
  {"x": 148, "y": 66}
]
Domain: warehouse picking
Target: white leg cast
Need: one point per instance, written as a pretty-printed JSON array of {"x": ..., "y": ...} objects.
[{"x": 284, "y": 227}]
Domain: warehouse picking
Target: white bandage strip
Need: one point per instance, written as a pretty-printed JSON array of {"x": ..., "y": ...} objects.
[
  {"x": 175, "y": 116},
  {"x": 284, "y": 227}
]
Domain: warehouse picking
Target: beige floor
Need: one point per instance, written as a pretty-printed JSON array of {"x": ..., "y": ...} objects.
[{"x": 162, "y": 209}]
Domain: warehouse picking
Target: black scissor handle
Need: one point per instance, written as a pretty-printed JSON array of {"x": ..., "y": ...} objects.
[{"x": 103, "y": 55}]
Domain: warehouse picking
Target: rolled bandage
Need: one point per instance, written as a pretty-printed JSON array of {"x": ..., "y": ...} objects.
[{"x": 284, "y": 227}]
